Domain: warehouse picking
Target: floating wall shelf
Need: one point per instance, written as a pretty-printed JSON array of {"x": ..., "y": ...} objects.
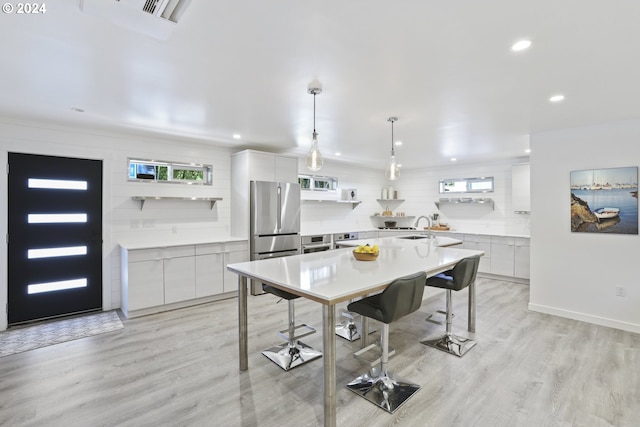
[
  {"x": 465, "y": 201},
  {"x": 353, "y": 203},
  {"x": 143, "y": 199},
  {"x": 390, "y": 200}
]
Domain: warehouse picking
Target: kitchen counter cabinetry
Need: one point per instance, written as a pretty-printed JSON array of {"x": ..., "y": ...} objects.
[
  {"x": 502, "y": 255},
  {"x": 163, "y": 278},
  {"x": 521, "y": 258},
  {"x": 480, "y": 243}
]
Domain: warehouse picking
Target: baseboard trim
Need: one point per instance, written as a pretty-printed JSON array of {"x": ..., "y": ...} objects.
[{"x": 596, "y": 320}]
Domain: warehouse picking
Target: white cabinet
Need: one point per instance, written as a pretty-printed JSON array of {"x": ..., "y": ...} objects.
[
  {"x": 520, "y": 188},
  {"x": 147, "y": 275},
  {"x": 522, "y": 256},
  {"x": 234, "y": 252},
  {"x": 179, "y": 274},
  {"x": 480, "y": 243},
  {"x": 502, "y": 255},
  {"x": 209, "y": 269},
  {"x": 156, "y": 279},
  {"x": 251, "y": 165}
]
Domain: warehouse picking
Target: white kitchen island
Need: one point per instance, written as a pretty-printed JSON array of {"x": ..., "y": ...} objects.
[{"x": 332, "y": 277}]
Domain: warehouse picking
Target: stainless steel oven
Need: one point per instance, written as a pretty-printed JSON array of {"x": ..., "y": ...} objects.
[
  {"x": 317, "y": 243},
  {"x": 344, "y": 236}
]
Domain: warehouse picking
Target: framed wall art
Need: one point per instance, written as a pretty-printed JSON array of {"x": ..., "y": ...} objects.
[{"x": 605, "y": 200}]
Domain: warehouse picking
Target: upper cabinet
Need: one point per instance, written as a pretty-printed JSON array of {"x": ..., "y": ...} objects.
[
  {"x": 520, "y": 188},
  {"x": 251, "y": 165},
  {"x": 260, "y": 166}
]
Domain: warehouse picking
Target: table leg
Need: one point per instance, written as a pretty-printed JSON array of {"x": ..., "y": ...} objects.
[
  {"x": 329, "y": 356},
  {"x": 472, "y": 307},
  {"x": 242, "y": 322}
]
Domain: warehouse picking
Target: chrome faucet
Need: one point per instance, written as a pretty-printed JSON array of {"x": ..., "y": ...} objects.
[{"x": 430, "y": 233}]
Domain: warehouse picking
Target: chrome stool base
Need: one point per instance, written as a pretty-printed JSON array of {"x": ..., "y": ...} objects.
[
  {"x": 288, "y": 357},
  {"x": 384, "y": 391},
  {"x": 451, "y": 344}
]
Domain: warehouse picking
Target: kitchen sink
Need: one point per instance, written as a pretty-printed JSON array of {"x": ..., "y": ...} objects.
[{"x": 413, "y": 237}]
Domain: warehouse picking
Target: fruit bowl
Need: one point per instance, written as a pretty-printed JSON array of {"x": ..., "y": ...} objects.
[{"x": 365, "y": 256}]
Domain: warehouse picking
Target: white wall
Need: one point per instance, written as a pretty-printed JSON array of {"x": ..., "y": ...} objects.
[
  {"x": 340, "y": 217},
  {"x": 123, "y": 218},
  {"x": 419, "y": 190},
  {"x": 575, "y": 275}
]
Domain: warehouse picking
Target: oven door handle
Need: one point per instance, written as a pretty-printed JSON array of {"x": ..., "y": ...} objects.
[
  {"x": 319, "y": 245},
  {"x": 267, "y": 255}
]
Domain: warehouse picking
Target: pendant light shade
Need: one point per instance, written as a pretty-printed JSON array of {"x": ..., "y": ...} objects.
[
  {"x": 392, "y": 172},
  {"x": 314, "y": 159}
]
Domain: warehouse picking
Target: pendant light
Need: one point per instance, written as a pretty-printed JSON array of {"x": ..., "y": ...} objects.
[
  {"x": 314, "y": 158},
  {"x": 392, "y": 172}
]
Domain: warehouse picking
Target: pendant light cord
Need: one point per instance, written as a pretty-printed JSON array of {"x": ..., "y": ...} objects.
[
  {"x": 392, "y": 151},
  {"x": 314, "y": 112}
]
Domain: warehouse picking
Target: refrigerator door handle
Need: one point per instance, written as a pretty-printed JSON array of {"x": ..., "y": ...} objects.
[{"x": 279, "y": 209}]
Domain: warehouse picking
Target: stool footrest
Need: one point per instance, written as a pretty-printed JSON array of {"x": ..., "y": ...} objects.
[
  {"x": 360, "y": 354},
  {"x": 284, "y": 334}
]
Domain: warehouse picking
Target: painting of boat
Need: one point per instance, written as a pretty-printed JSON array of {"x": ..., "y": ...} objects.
[
  {"x": 613, "y": 191},
  {"x": 606, "y": 213}
]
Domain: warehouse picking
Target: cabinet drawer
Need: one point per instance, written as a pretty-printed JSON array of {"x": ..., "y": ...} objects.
[
  {"x": 137, "y": 255},
  {"x": 236, "y": 246},
  {"x": 500, "y": 240},
  {"x": 477, "y": 238},
  {"x": 209, "y": 248},
  {"x": 178, "y": 251}
]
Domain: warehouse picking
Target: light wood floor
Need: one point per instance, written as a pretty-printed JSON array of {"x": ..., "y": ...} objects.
[{"x": 180, "y": 368}]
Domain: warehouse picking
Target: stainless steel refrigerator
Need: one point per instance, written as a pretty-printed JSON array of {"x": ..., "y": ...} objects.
[{"x": 275, "y": 222}]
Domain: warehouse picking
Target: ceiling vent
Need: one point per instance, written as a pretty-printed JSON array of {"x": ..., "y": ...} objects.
[
  {"x": 171, "y": 10},
  {"x": 155, "y": 18}
]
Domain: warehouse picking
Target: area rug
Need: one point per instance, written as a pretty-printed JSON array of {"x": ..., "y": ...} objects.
[{"x": 27, "y": 338}]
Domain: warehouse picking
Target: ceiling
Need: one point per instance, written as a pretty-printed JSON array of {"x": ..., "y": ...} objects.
[{"x": 444, "y": 68}]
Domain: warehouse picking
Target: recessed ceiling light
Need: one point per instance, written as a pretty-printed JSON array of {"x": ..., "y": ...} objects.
[
  {"x": 528, "y": 150},
  {"x": 237, "y": 136},
  {"x": 338, "y": 154},
  {"x": 453, "y": 159},
  {"x": 521, "y": 45},
  {"x": 557, "y": 98},
  {"x": 398, "y": 143}
]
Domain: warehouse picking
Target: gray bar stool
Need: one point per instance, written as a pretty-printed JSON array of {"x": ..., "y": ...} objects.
[
  {"x": 402, "y": 297},
  {"x": 292, "y": 353},
  {"x": 456, "y": 279}
]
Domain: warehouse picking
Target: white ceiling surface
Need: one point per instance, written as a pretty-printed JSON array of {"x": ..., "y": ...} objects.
[{"x": 444, "y": 68}]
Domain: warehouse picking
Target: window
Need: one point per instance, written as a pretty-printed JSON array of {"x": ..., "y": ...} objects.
[
  {"x": 142, "y": 170},
  {"x": 467, "y": 185},
  {"x": 317, "y": 183}
]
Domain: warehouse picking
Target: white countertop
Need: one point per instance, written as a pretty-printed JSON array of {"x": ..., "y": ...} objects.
[
  {"x": 163, "y": 242},
  {"x": 356, "y": 230},
  {"x": 440, "y": 241},
  {"x": 331, "y": 277}
]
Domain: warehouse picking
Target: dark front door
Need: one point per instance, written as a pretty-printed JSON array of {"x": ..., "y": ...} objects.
[{"x": 55, "y": 236}]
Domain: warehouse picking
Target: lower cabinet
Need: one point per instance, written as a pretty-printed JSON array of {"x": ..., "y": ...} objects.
[
  {"x": 479, "y": 242},
  {"x": 502, "y": 255},
  {"x": 522, "y": 257},
  {"x": 155, "y": 279}
]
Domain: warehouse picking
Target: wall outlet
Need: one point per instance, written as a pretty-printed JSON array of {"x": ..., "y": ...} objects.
[{"x": 621, "y": 291}]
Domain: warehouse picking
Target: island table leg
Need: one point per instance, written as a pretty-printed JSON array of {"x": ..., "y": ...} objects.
[
  {"x": 329, "y": 356},
  {"x": 242, "y": 322}
]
